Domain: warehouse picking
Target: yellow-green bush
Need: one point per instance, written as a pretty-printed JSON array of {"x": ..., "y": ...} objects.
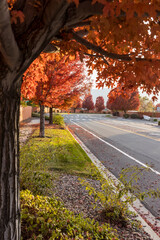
[{"x": 46, "y": 218}]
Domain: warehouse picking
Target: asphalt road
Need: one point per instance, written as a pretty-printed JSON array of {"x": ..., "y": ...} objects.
[{"x": 122, "y": 143}]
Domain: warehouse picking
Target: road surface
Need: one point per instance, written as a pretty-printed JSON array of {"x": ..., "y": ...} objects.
[{"x": 121, "y": 143}]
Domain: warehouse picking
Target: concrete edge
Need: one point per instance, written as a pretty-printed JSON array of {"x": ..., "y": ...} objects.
[{"x": 137, "y": 207}]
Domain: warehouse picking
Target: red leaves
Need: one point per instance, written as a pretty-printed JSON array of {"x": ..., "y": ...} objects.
[
  {"x": 88, "y": 102},
  {"x": 123, "y": 100},
  {"x": 99, "y": 104}
]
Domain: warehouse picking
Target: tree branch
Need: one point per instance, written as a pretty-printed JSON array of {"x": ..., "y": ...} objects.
[
  {"x": 99, "y": 56},
  {"x": 97, "y": 49},
  {"x": 8, "y": 45}
]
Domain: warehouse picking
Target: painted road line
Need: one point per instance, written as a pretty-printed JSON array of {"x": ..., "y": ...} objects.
[
  {"x": 142, "y": 135},
  {"x": 135, "y": 125},
  {"x": 125, "y": 154}
]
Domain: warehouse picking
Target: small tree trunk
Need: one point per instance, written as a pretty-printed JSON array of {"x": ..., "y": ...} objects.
[
  {"x": 42, "y": 121},
  {"x": 50, "y": 115},
  {"x": 9, "y": 166}
]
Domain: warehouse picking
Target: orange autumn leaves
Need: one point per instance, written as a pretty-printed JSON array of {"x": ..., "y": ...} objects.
[{"x": 51, "y": 82}]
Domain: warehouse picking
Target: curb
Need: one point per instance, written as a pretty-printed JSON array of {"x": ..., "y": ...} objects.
[{"x": 137, "y": 207}]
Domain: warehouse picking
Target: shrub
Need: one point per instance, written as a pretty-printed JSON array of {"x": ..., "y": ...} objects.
[
  {"x": 115, "y": 199},
  {"x": 158, "y": 123},
  {"x": 155, "y": 119},
  {"x": 58, "y": 119},
  {"x": 115, "y": 114},
  {"x": 46, "y": 218},
  {"x": 34, "y": 114},
  {"x": 126, "y": 115},
  {"x": 134, "y": 116}
]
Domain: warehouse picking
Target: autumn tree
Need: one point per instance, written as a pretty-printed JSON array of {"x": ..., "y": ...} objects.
[
  {"x": 49, "y": 81},
  {"x": 88, "y": 102},
  {"x": 146, "y": 105},
  {"x": 121, "y": 100},
  {"x": 119, "y": 38},
  {"x": 99, "y": 104},
  {"x": 76, "y": 104}
]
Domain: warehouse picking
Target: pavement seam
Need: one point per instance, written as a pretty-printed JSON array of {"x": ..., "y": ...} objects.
[{"x": 106, "y": 173}]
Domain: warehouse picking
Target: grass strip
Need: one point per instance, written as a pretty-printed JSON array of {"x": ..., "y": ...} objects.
[{"x": 42, "y": 159}]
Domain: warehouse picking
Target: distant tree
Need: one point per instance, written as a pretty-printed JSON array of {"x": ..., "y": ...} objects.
[
  {"x": 76, "y": 104},
  {"x": 99, "y": 104},
  {"x": 49, "y": 81},
  {"x": 88, "y": 102},
  {"x": 146, "y": 105},
  {"x": 123, "y": 100}
]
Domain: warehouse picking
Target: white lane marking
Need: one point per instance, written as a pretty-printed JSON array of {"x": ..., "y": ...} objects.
[
  {"x": 127, "y": 155},
  {"x": 146, "y": 127}
]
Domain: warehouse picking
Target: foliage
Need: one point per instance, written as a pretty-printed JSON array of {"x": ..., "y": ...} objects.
[
  {"x": 134, "y": 116},
  {"x": 35, "y": 114},
  {"x": 58, "y": 151},
  {"x": 76, "y": 104},
  {"x": 117, "y": 45},
  {"x": 120, "y": 99},
  {"x": 146, "y": 105},
  {"x": 58, "y": 119},
  {"x": 46, "y": 218},
  {"x": 127, "y": 36},
  {"x": 23, "y": 103},
  {"x": 116, "y": 114},
  {"x": 115, "y": 198},
  {"x": 158, "y": 123},
  {"x": 99, "y": 104},
  {"x": 126, "y": 115},
  {"x": 88, "y": 102},
  {"x": 51, "y": 82},
  {"x": 155, "y": 119}
]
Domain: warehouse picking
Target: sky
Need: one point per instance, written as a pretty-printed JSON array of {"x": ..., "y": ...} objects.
[{"x": 104, "y": 92}]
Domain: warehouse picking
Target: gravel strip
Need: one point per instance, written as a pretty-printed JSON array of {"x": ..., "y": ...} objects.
[{"x": 75, "y": 198}]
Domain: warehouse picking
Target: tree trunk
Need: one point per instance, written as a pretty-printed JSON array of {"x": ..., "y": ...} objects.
[
  {"x": 9, "y": 165},
  {"x": 51, "y": 115},
  {"x": 42, "y": 121}
]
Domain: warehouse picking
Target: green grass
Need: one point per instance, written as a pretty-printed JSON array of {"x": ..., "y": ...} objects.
[
  {"x": 44, "y": 217},
  {"x": 43, "y": 158}
]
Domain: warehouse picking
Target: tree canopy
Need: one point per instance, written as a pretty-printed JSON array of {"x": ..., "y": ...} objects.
[
  {"x": 120, "y": 38},
  {"x": 51, "y": 82},
  {"x": 99, "y": 104},
  {"x": 120, "y": 100},
  {"x": 146, "y": 105},
  {"x": 88, "y": 102}
]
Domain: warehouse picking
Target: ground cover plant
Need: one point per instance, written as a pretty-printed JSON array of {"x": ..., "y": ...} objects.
[
  {"x": 57, "y": 152},
  {"x": 116, "y": 197},
  {"x": 45, "y": 217}
]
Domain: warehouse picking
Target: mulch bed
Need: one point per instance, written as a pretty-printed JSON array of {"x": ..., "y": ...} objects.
[{"x": 75, "y": 198}]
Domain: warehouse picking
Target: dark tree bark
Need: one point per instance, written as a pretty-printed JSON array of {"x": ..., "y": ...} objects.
[
  {"x": 42, "y": 121},
  {"x": 9, "y": 165},
  {"x": 50, "y": 115}
]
